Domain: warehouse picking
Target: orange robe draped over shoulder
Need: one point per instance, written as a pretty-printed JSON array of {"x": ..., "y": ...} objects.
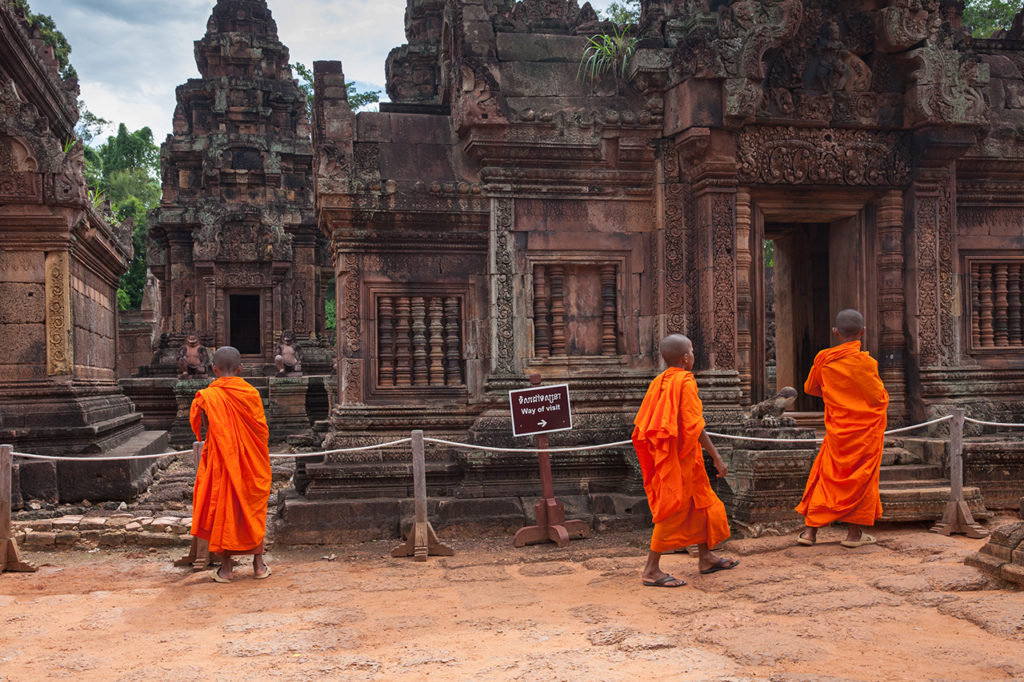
[
  {"x": 233, "y": 480},
  {"x": 843, "y": 484},
  {"x": 686, "y": 510}
]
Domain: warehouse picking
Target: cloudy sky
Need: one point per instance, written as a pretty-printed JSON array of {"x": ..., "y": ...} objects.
[{"x": 131, "y": 54}]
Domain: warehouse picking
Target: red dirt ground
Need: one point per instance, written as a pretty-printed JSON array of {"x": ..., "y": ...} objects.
[{"x": 906, "y": 609}]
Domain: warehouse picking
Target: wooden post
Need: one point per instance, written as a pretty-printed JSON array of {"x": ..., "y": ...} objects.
[
  {"x": 10, "y": 557},
  {"x": 957, "y": 517},
  {"x": 198, "y": 556},
  {"x": 550, "y": 512},
  {"x": 422, "y": 539}
]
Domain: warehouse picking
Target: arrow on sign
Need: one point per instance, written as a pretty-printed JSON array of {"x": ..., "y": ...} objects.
[{"x": 542, "y": 423}]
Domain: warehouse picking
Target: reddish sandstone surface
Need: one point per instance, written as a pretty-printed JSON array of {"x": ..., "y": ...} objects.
[{"x": 905, "y": 609}]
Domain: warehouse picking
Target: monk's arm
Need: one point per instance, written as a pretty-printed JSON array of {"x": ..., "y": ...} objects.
[
  {"x": 709, "y": 447},
  {"x": 813, "y": 384},
  {"x": 195, "y": 416}
]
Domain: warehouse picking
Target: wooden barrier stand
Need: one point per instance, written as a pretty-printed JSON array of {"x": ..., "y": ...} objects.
[
  {"x": 957, "y": 517},
  {"x": 10, "y": 557},
  {"x": 422, "y": 540},
  {"x": 198, "y": 556}
]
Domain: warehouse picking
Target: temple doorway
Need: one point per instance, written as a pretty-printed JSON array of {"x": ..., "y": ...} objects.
[
  {"x": 244, "y": 323},
  {"x": 812, "y": 270}
]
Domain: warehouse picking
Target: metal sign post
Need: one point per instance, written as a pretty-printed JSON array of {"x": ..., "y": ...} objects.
[{"x": 540, "y": 411}]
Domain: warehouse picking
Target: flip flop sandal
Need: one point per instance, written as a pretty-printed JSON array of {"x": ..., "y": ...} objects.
[
  {"x": 865, "y": 539},
  {"x": 722, "y": 564},
  {"x": 217, "y": 578},
  {"x": 801, "y": 540},
  {"x": 264, "y": 575},
  {"x": 664, "y": 581}
]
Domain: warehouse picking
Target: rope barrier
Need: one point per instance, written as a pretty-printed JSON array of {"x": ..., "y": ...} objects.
[
  {"x": 99, "y": 459},
  {"x": 918, "y": 426},
  {"x": 487, "y": 448},
  {"x": 339, "y": 451},
  {"x": 985, "y": 423}
]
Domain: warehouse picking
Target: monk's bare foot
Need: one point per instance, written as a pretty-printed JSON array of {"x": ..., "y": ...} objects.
[
  {"x": 661, "y": 579},
  {"x": 809, "y": 536},
  {"x": 710, "y": 563},
  {"x": 854, "y": 533},
  {"x": 259, "y": 566},
  {"x": 226, "y": 570}
]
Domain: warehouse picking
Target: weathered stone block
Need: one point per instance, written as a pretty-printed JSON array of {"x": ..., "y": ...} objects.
[
  {"x": 540, "y": 47},
  {"x": 39, "y": 481},
  {"x": 40, "y": 540},
  {"x": 67, "y": 538},
  {"x": 22, "y": 303}
]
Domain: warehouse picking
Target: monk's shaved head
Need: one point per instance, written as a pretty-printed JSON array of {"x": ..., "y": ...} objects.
[
  {"x": 227, "y": 359},
  {"x": 849, "y": 323},
  {"x": 673, "y": 347}
]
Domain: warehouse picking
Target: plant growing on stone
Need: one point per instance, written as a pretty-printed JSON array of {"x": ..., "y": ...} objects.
[{"x": 607, "y": 53}]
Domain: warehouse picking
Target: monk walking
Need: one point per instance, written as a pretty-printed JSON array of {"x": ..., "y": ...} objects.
[
  {"x": 668, "y": 437},
  {"x": 843, "y": 485},
  {"x": 233, "y": 481}
]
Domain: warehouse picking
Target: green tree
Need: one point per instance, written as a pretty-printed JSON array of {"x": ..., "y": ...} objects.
[
  {"x": 356, "y": 100},
  {"x": 125, "y": 171},
  {"x": 985, "y": 17},
  {"x": 51, "y": 36},
  {"x": 626, "y": 13}
]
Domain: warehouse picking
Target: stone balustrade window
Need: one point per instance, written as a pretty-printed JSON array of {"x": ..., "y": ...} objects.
[
  {"x": 575, "y": 309},
  {"x": 420, "y": 341},
  {"x": 997, "y": 298}
]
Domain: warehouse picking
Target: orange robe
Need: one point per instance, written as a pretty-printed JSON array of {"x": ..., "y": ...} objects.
[
  {"x": 843, "y": 485},
  {"x": 229, "y": 501},
  {"x": 686, "y": 510}
]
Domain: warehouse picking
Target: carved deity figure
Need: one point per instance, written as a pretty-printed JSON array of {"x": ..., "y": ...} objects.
[
  {"x": 289, "y": 356},
  {"x": 769, "y": 412},
  {"x": 193, "y": 358},
  {"x": 300, "y": 313},
  {"x": 188, "y": 312}
]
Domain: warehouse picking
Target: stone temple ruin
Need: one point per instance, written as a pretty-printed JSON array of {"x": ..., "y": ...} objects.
[
  {"x": 234, "y": 246},
  {"x": 60, "y": 259},
  {"x": 756, "y": 167},
  {"x": 503, "y": 216}
]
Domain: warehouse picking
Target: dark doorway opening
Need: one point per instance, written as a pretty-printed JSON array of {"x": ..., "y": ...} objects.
[
  {"x": 800, "y": 307},
  {"x": 245, "y": 323}
]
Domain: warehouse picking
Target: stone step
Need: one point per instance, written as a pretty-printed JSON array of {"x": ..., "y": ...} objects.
[
  {"x": 926, "y": 502},
  {"x": 921, "y": 484},
  {"x": 910, "y": 472}
]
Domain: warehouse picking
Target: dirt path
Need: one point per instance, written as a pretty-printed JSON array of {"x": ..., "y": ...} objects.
[{"x": 907, "y": 609}]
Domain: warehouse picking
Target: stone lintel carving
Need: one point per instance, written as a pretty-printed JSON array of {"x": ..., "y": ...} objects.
[{"x": 789, "y": 155}]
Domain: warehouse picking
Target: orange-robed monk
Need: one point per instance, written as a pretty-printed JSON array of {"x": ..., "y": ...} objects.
[
  {"x": 233, "y": 481},
  {"x": 843, "y": 485},
  {"x": 668, "y": 437}
]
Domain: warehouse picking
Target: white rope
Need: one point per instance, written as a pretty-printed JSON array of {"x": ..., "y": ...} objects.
[
  {"x": 297, "y": 455},
  {"x": 918, "y": 426},
  {"x": 486, "y": 448},
  {"x": 361, "y": 448},
  {"x": 99, "y": 459},
  {"x": 985, "y": 423}
]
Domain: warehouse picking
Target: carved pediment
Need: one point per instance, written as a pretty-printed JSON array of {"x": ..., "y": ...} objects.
[{"x": 241, "y": 238}]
